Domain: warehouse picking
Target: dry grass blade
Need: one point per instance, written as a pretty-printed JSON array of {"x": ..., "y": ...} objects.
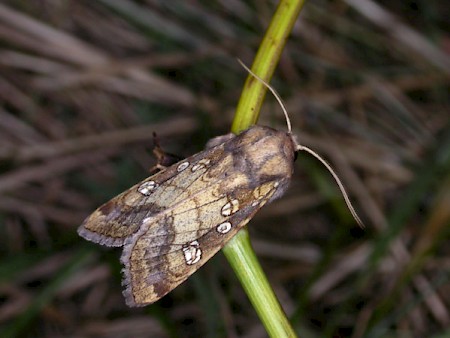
[{"x": 83, "y": 86}]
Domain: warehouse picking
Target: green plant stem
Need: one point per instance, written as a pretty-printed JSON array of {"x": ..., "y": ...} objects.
[
  {"x": 239, "y": 251},
  {"x": 266, "y": 60},
  {"x": 242, "y": 258}
]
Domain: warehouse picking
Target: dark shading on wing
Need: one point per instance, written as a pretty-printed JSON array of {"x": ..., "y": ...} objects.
[
  {"x": 154, "y": 260},
  {"x": 123, "y": 215}
]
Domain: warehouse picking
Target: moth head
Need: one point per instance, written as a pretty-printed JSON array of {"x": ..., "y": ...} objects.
[{"x": 298, "y": 147}]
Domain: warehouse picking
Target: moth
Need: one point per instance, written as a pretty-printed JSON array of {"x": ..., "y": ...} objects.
[
  {"x": 174, "y": 221},
  {"x": 171, "y": 223}
]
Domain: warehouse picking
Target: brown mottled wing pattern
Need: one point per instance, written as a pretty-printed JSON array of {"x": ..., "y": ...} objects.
[
  {"x": 121, "y": 217},
  {"x": 154, "y": 259},
  {"x": 172, "y": 246},
  {"x": 173, "y": 222}
]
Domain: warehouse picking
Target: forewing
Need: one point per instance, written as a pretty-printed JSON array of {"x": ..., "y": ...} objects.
[
  {"x": 169, "y": 248},
  {"x": 173, "y": 222},
  {"x": 115, "y": 221}
]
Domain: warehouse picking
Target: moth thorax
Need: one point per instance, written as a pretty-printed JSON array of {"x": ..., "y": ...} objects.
[{"x": 272, "y": 152}]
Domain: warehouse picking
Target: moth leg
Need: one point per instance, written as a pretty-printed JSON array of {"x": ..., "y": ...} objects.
[{"x": 163, "y": 159}]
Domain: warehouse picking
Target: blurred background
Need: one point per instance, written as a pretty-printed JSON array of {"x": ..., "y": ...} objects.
[{"x": 84, "y": 84}]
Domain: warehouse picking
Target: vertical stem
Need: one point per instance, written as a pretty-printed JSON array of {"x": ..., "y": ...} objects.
[
  {"x": 265, "y": 62},
  {"x": 239, "y": 251},
  {"x": 244, "y": 262}
]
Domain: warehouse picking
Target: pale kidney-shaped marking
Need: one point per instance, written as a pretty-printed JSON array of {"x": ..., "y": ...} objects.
[{"x": 192, "y": 252}]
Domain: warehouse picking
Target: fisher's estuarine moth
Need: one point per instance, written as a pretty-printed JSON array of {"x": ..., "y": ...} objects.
[{"x": 173, "y": 222}]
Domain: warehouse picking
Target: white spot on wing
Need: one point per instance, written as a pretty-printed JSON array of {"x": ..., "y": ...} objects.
[
  {"x": 230, "y": 208},
  {"x": 147, "y": 187},
  {"x": 192, "y": 252},
  {"x": 182, "y": 166},
  {"x": 224, "y": 227},
  {"x": 204, "y": 162}
]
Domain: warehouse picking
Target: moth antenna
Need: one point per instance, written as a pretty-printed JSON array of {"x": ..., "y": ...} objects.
[
  {"x": 273, "y": 91},
  {"x": 338, "y": 181},
  {"x": 308, "y": 150}
]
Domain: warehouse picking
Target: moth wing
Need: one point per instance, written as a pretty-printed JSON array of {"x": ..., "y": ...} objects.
[
  {"x": 121, "y": 217},
  {"x": 171, "y": 247}
]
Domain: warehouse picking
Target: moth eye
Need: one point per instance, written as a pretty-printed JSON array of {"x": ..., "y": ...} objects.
[
  {"x": 230, "y": 208},
  {"x": 182, "y": 166},
  {"x": 201, "y": 164},
  {"x": 147, "y": 187},
  {"x": 295, "y": 155},
  {"x": 192, "y": 252},
  {"x": 224, "y": 227}
]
